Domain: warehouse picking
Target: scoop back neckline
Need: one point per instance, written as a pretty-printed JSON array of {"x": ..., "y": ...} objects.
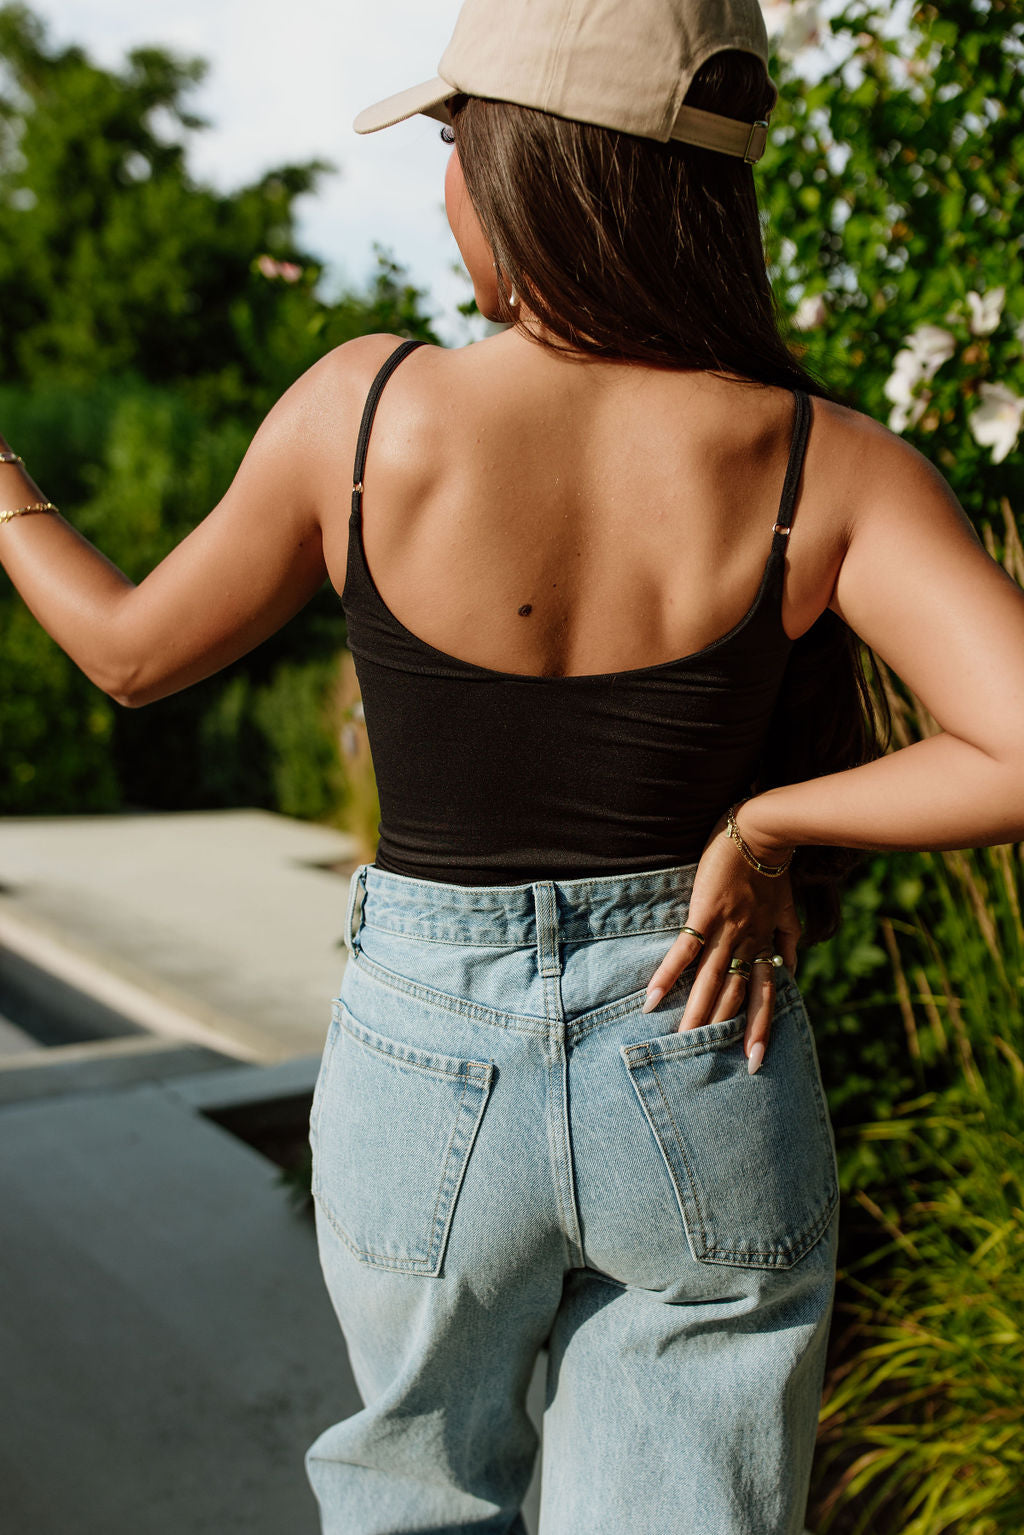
[{"x": 453, "y": 662}]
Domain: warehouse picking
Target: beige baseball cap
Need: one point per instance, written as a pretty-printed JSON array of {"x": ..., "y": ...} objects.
[{"x": 623, "y": 64}]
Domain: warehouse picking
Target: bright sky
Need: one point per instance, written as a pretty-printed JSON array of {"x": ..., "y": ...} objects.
[{"x": 285, "y": 82}]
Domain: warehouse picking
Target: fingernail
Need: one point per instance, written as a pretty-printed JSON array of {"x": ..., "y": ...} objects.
[
  {"x": 654, "y": 996},
  {"x": 755, "y": 1057}
]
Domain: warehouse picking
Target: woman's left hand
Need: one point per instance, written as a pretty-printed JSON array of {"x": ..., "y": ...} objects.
[{"x": 742, "y": 914}]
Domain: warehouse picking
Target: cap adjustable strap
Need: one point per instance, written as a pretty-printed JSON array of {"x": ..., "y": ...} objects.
[{"x": 710, "y": 130}]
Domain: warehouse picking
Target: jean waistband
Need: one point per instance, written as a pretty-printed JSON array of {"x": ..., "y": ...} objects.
[{"x": 509, "y": 916}]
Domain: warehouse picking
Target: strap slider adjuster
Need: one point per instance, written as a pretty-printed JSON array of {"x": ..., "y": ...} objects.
[{"x": 749, "y": 158}]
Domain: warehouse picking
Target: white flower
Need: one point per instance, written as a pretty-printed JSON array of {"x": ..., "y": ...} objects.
[
  {"x": 996, "y": 424},
  {"x": 810, "y": 312},
  {"x": 920, "y": 358},
  {"x": 791, "y": 24},
  {"x": 931, "y": 346},
  {"x": 985, "y": 311}
]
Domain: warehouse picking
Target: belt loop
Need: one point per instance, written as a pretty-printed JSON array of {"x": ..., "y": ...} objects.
[
  {"x": 546, "y": 912},
  {"x": 356, "y": 901}
]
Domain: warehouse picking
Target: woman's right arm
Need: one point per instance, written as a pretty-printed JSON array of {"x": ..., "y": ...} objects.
[{"x": 246, "y": 568}]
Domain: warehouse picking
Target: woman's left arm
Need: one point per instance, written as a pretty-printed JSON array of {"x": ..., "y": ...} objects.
[
  {"x": 247, "y": 568},
  {"x": 917, "y": 586}
]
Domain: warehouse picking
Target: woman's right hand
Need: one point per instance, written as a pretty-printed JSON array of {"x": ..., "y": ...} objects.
[{"x": 742, "y": 914}]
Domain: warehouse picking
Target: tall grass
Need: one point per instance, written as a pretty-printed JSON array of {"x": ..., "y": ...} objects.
[{"x": 922, "y": 1427}]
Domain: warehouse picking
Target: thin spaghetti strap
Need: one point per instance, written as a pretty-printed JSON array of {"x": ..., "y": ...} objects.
[
  {"x": 798, "y": 447},
  {"x": 369, "y": 411}
]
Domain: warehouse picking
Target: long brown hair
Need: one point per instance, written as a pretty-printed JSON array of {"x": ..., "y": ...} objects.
[{"x": 631, "y": 249}]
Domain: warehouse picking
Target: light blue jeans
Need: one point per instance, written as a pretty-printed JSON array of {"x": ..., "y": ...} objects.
[{"x": 509, "y": 1155}]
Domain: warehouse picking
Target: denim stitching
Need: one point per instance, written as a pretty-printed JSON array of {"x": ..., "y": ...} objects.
[
  {"x": 316, "y": 1108},
  {"x": 569, "y": 937},
  {"x": 526, "y": 1023},
  {"x": 782, "y": 1257},
  {"x": 686, "y": 1042},
  {"x": 394, "y": 1051},
  {"x": 555, "y": 1154},
  {"x": 640, "y": 1056},
  {"x": 434, "y": 1233},
  {"x": 453, "y": 943},
  {"x": 686, "y": 1163},
  {"x": 447, "y": 1003},
  {"x": 400, "y": 1265},
  {"x": 430, "y": 1263}
]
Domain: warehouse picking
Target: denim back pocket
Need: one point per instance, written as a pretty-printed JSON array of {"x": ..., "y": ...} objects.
[
  {"x": 392, "y": 1128},
  {"x": 751, "y": 1158}
]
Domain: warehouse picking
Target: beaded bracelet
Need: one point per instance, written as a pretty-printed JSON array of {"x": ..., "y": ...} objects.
[
  {"x": 772, "y": 871},
  {"x": 11, "y": 458},
  {"x": 23, "y": 511}
]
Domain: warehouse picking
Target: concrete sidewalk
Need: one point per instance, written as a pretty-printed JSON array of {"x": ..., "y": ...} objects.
[
  {"x": 221, "y": 927},
  {"x": 167, "y": 1347}
]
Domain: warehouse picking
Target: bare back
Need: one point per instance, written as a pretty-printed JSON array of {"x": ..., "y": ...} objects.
[{"x": 532, "y": 514}]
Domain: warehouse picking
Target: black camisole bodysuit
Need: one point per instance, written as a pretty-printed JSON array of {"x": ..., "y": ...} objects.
[{"x": 489, "y": 777}]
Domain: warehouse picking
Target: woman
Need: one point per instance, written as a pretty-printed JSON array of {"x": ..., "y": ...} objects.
[{"x": 602, "y": 574}]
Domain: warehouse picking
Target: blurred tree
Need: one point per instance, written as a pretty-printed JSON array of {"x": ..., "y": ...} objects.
[
  {"x": 894, "y": 194},
  {"x": 147, "y": 323}
]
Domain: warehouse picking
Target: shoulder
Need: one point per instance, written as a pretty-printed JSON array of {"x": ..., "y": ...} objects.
[
  {"x": 874, "y": 456},
  {"x": 342, "y": 378},
  {"x": 317, "y": 418},
  {"x": 877, "y": 478},
  {"x": 901, "y": 519}
]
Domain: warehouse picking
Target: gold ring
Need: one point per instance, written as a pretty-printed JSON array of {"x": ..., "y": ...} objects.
[
  {"x": 739, "y": 966},
  {"x": 693, "y": 933},
  {"x": 766, "y": 957}
]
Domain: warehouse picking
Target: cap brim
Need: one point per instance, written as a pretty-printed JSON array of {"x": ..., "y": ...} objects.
[{"x": 428, "y": 98}]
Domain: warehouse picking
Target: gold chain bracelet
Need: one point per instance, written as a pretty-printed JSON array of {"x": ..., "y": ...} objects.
[
  {"x": 24, "y": 511},
  {"x": 771, "y": 870}
]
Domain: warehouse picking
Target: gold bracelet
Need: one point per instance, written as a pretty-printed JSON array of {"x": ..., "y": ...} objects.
[
  {"x": 11, "y": 458},
  {"x": 23, "y": 511},
  {"x": 771, "y": 870}
]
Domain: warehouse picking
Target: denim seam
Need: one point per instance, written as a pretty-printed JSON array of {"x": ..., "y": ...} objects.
[
  {"x": 447, "y": 1003},
  {"x": 454, "y": 943},
  {"x": 806, "y": 1036},
  {"x": 403, "y": 1266},
  {"x": 602, "y": 1015},
  {"x": 558, "y": 1133},
  {"x": 523, "y": 943},
  {"x": 699, "y": 1214},
  {"x": 316, "y": 1109},
  {"x": 524, "y": 1023},
  {"x": 584, "y": 882},
  {"x": 684, "y": 1042},
  {"x": 780, "y": 1258},
  {"x": 436, "y": 1220},
  {"x": 468, "y": 1070}
]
